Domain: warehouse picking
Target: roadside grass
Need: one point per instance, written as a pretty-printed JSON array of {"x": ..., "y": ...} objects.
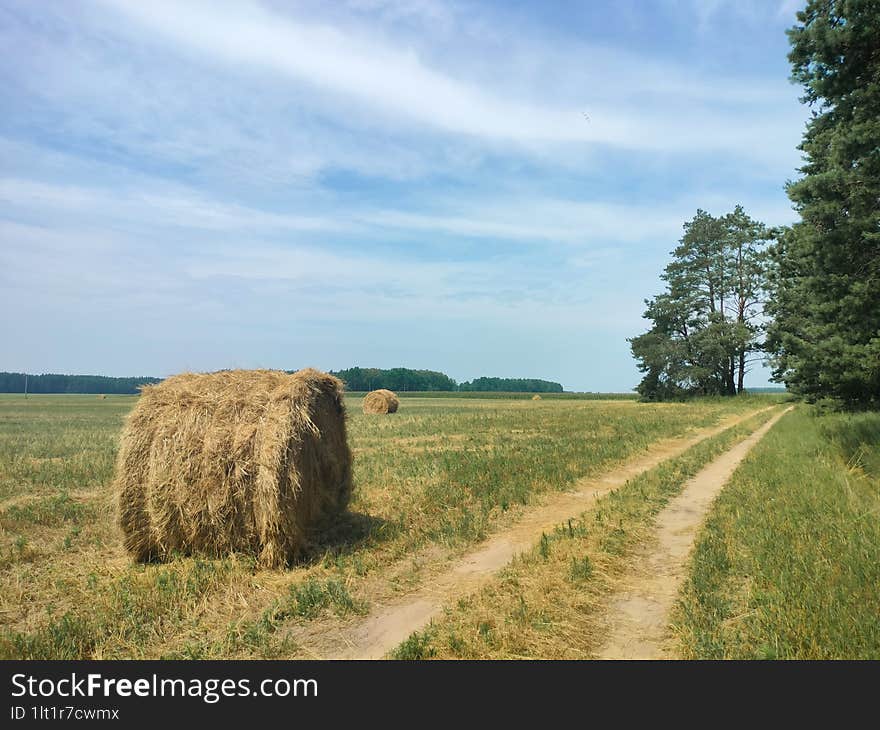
[
  {"x": 307, "y": 600},
  {"x": 433, "y": 479},
  {"x": 548, "y": 602},
  {"x": 788, "y": 564}
]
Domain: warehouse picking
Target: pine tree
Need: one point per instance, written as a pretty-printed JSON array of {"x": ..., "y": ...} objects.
[
  {"x": 825, "y": 338},
  {"x": 707, "y": 325}
]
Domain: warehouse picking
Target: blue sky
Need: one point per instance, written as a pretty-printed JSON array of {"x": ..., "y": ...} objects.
[{"x": 477, "y": 188}]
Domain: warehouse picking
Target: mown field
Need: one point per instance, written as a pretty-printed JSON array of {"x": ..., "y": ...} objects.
[
  {"x": 550, "y": 601},
  {"x": 787, "y": 565},
  {"x": 431, "y": 481}
]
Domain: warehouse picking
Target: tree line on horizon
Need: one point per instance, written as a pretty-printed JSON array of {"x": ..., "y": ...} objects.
[
  {"x": 56, "y": 383},
  {"x": 404, "y": 379},
  {"x": 805, "y": 297},
  {"x": 356, "y": 379}
]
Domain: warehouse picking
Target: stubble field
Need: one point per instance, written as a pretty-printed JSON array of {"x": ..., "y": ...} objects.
[{"x": 431, "y": 482}]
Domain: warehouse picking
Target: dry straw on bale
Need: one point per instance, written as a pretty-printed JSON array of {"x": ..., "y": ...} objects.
[
  {"x": 536, "y": 397},
  {"x": 241, "y": 460},
  {"x": 380, "y": 401}
]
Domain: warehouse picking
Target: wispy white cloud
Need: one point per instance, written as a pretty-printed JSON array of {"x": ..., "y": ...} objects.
[
  {"x": 236, "y": 282},
  {"x": 245, "y": 94},
  {"x": 177, "y": 206},
  {"x": 537, "y": 219},
  {"x": 394, "y": 82},
  {"x": 544, "y": 221}
]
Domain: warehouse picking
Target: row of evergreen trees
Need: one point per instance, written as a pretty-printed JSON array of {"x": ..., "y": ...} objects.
[
  {"x": 824, "y": 338},
  {"x": 52, "y": 383},
  {"x": 397, "y": 379},
  {"x": 805, "y": 297},
  {"x": 511, "y": 385},
  {"x": 358, "y": 379},
  {"x": 404, "y": 379}
]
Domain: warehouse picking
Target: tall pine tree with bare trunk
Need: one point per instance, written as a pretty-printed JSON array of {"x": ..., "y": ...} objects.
[{"x": 708, "y": 325}]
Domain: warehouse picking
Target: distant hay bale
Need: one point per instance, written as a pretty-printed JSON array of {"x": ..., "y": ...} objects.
[
  {"x": 102, "y": 397},
  {"x": 240, "y": 460},
  {"x": 536, "y": 397},
  {"x": 380, "y": 401}
]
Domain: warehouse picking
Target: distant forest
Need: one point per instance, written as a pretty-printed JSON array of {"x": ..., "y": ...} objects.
[
  {"x": 511, "y": 385},
  {"x": 356, "y": 379},
  {"x": 51, "y": 383},
  {"x": 404, "y": 379}
]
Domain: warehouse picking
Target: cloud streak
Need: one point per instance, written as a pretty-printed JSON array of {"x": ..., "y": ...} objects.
[{"x": 397, "y": 84}]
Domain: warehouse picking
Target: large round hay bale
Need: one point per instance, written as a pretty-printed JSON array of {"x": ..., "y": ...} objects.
[
  {"x": 536, "y": 397},
  {"x": 240, "y": 460},
  {"x": 380, "y": 401}
]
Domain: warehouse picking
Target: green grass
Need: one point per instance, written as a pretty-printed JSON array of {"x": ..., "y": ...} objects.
[
  {"x": 52, "y": 511},
  {"x": 307, "y": 600},
  {"x": 456, "y": 466},
  {"x": 135, "y": 610},
  {"x": 417, "y": 646},
  {"x": 54, "y": 443},
  {"x": 435, "y": 478},
  {"x": 788, "y": 564}
]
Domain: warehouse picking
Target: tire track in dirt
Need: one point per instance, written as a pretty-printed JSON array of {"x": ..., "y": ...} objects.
[
  {"x": 386, "y": 626},
  {"x": 638, "y": 615}
]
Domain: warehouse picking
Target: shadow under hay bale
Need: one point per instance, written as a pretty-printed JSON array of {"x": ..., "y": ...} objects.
[
  {"x": 348, "y": 533},
  {"x": 235, "y": 461},
  {"x": 380, "y": 402}
]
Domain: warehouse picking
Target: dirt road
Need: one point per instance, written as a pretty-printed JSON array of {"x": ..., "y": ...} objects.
[
  {"x": 374, "y": 635},
  {"x": 638, "y": 615}
]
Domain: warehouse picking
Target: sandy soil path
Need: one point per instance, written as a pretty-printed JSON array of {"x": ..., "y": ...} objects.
[
  {"x": 386, "y": 626},
  {"x": 638, "y": 615}
]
